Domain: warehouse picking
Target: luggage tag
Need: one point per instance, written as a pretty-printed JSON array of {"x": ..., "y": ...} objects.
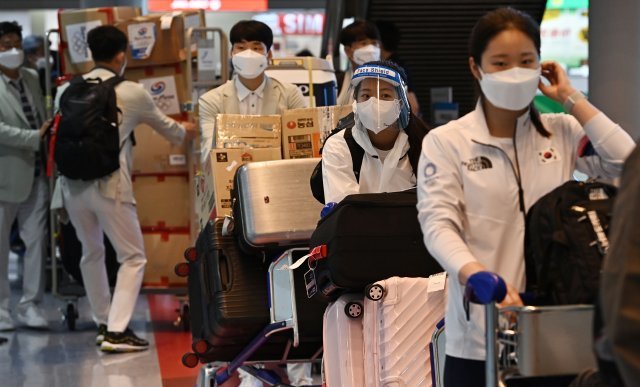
[
  {"x": 436, "y": 282},
  {"x": 310, "y": 280}
]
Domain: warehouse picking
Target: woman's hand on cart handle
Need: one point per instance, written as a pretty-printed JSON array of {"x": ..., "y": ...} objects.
[
  {"x": 485, "y": 287},
  {"x": 512, "y": 298}
]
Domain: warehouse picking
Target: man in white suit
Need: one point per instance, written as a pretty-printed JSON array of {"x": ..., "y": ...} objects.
[
  {"x": 23, "y": 187},
  {"x": 250, "y": 91}
]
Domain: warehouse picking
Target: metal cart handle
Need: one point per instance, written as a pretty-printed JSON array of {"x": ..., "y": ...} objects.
[{"x": 487, "y": 288}]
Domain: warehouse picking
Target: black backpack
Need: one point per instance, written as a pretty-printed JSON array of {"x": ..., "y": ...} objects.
[
  {"x": 357, "y": 154},
  {"x": 565, "y": 243},
  {"x": 87, "y": 144}
]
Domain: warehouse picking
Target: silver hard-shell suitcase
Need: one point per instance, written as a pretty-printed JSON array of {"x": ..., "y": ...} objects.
[{"x": 275, "y": 206}]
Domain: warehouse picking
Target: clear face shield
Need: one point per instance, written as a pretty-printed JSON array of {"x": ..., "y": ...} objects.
[{"x": 380, "y": 98}]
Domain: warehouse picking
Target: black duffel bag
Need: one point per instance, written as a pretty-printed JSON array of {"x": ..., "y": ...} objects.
[{"x": 370, "y": 237}]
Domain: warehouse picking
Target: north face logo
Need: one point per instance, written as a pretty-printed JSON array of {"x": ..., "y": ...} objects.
[{"x": 477, "y": 164}]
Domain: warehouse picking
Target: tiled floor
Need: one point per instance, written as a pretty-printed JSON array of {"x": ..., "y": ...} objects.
[
  {"x": 62, "y": 358},
  {"x": 59, "y": 357}
]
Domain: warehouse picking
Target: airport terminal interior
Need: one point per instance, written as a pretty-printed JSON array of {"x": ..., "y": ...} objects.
[{"x": 178, "y": 52}]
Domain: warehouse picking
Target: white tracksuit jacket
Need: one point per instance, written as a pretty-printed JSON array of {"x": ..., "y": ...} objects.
[
  {"x": 468, "y": 198},
  {"x": 392, "y": 175}
]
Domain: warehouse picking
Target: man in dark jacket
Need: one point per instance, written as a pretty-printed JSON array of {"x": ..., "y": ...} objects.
[{"x": 620, "y": 284}]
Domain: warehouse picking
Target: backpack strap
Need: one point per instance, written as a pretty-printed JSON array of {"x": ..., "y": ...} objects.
[
  {"x": 357, "y": 153},
  {"x": 113, "y": 82},
  {"x": 346, "y": 123}
]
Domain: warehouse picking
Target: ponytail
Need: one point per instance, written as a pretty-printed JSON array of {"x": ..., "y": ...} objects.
[{"x": 416, "y": 130}]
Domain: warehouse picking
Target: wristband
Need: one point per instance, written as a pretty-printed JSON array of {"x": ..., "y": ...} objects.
[{"x": 572, "y": 99}]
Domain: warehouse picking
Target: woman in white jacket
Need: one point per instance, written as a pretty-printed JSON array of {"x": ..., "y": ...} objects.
[
  {"x": 390, "y": 135},
  {"x": 479, "y": 175}
]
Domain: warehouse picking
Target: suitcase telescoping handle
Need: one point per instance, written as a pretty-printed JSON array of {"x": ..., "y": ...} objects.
[{"x": 487, "y": 288}]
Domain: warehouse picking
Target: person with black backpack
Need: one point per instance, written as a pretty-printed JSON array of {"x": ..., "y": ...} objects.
[
  {"x": 480, "y": 174},
  {"x": 380, "y": 152},
  {"x": 92, "y": 148}
]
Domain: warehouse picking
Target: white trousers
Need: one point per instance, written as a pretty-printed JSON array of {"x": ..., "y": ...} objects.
[
  {"x": 91, "y": 214},
  {"x": 299, "y": 375},
  {"x": 32, "y": 220}
]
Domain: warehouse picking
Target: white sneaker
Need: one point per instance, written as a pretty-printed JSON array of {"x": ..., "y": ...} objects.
[
  {"x": 32, "y": 317},
  {"x": 6, "y": 321}
]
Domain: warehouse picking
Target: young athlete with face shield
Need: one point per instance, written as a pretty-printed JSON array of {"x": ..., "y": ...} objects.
[
  {"x": 480, "y": 174},
  {"x": 250, "y": 91},
  {"x": 385, "y": 128}
]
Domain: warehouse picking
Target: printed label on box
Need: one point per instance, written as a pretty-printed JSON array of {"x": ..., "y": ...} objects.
[
  {"x": 163, "y": 92},
  {"x": 177, "y": 160},
  {"x": 77, "y": 40},
  {"x": 142, "y": 38},
  {"x": 206, "y": 60},
  {"x": 300, "y": 147}
]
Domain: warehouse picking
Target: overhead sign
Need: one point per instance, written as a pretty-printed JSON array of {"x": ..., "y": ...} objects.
[
  {"x": 301, "y": 23},
  {"x": 207, "y": 5},
  {"x": 293, "y": 23}
]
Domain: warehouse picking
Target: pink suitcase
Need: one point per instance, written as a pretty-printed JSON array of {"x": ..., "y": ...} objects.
[
  {"x": 400, "y": 317},
  {"x": 342, "y": 341}
]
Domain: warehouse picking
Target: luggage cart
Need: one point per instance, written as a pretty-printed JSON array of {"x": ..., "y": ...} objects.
[
  {"x": 529, "y": 341},
  {"x": 284, "y": 317},
  {"x": 63, "y": 288}
]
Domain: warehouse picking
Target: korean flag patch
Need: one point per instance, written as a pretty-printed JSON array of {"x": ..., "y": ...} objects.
[{"x": 548, "y": 155}]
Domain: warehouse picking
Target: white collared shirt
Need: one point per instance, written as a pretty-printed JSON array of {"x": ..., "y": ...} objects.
[{"x": 250, "y": 101}]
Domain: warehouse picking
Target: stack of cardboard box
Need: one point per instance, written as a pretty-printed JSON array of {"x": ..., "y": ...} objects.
[
  {"x": 239, "y": 139},
  {"x": 304, "y": 130},
  {"x": 157, "y": 60},
  {"x": 298, "y": 133},
  {"x": 157, "y": 56},
  {"x": 75, "y": 56}
]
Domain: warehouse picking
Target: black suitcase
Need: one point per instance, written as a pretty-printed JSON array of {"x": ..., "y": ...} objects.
[
  {"x": 368, "y": 238},
  {"x": 228, "y": 299}
]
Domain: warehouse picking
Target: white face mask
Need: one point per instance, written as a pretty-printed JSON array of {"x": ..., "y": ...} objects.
[
  {"x": 249, "y": 64},
  {"x": 12, "y": 59},
  {"x": 511, "y": 89},
  {"x": 368, "y": 53},
  {"x": 377, "y": 115}
]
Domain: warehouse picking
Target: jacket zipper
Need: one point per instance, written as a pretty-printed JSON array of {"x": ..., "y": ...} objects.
[{"x": 515, "y": 169}]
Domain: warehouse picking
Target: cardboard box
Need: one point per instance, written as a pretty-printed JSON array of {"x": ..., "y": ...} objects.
[
  {"x": 213, "y": 186},
  {"x": 304, "y": 130},
  {"x": 162, "y": 201},
  {"x": 155, "y": 154},
  {"x": 166, "y": 84},
  {"x": 240, "y": 131},
  {"x": 159, "y": 39},
  {"x": 164, "y": 250},
  {"x": 74, "y": 26}
]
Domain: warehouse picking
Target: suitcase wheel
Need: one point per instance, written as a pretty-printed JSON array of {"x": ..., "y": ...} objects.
[
  {"x": 353, "y": 309},
  {"x": 374, "y": 292},
  {"x": 200, "y": 347},
  {"x": 190, "y": 360},
  {"x": 191, "y": 254},
  {"x": 182, "y": 269}
]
